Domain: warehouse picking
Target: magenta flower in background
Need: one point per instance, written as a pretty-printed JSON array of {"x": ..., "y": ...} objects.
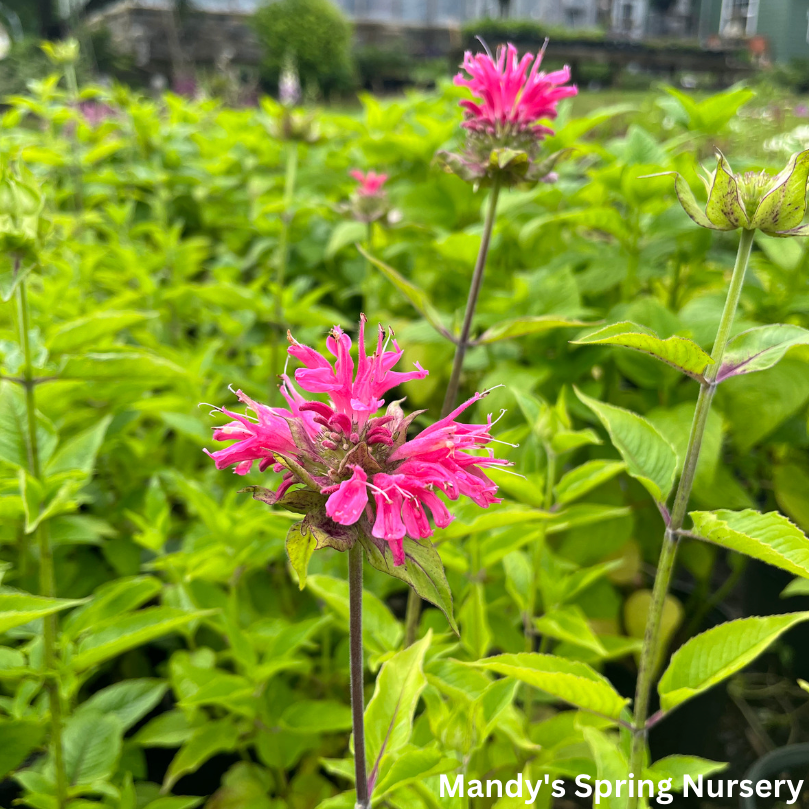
[
  {"x": 95, "y": 112},
  {"x": 370, "y": 184},
  {"x": 504, "y": 133},
  {"x": 359, "y": 460},
  {"x": 513, "y": 93}
]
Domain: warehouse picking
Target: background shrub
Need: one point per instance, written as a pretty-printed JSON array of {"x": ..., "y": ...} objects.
[{"x": 315, "y": 33}]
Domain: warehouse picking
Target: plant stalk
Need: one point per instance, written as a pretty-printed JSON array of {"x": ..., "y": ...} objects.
[
  {"x": 665, "y": 568},
  {"x": 451, "y": 396},
  {"x": 357, "y": 695},
  {"x": 281, "y": 267},
  {"x": 471, "y": 303},
  {"x": 47, "y": 579}
]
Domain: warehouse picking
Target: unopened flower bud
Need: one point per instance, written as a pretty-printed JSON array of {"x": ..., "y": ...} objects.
[{"x": 773, "y": 204}]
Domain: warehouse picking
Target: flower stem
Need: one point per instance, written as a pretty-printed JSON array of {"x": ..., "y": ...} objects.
[
  {"x": 47, "y": 580},
  {"x": 471, "y": 303},
  {"x": 357, "y": 696},
  {"x": 665, "y": 568},
  {"x": 281, "y": 268},
  {"x": 451, "y": 396}
]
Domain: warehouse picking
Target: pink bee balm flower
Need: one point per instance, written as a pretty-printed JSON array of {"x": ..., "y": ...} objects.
[
  {"x": 370, "y": 184},
  {"x": 358, "y": 460},
  {"x": 513, "y": 93}
]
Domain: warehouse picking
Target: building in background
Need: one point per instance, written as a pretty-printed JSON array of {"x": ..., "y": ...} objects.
[{"x": 780, "y": 26}]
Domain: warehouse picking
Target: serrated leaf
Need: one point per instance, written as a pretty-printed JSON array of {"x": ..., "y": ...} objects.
[
  {"x": 389, "y": 715},
  {"x": 650, "y": 458},
  {"x": 569, "y": 624},
  {"x": 344, "y": 234},
  {"x": 18, "y": 739},
  {"x": 123, "y": 365},
  {"x": 423, "y": 571},
  {"x": 611, "y": 766},
  {"x": 418, "y": 297},
  {"x": 12, "y": 275},
  {"x": 759, "y": 349},
  {"x": 677, "y": 767},
  {"x": 88, "y": 330},
  {"x": 92, "y": 744},
  {"x": 118, "y": 635},
  {"x": 317, "y": 716},
  {"x": 569, "y": 681},
  {"x": 770, "y": 537},
  {"x": 212, "y": 738},
  {"x": 129, "y": 701},
  {"x": 678, "y": 352},
  {"x": 110, "y": 600},
  {"x": 715, "y": 655},
  {"x": 19, "y": 608},
  {"x": 525, "y": 326},
  {"x": 410, "y": 765},
  {"x": 585, "y": 478},
  {"x": 78, "y": 454},
  {"x": 300, "y": 545}
]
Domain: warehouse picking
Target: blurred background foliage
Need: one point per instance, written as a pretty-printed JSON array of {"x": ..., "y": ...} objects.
[{"x": 196, "y": 668}]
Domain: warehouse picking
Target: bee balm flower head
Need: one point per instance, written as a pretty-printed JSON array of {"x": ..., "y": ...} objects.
[
  {"x": 350, "y": 467},
  {"x": 369, "y": 201},
  {"x": 504, "y": 133}
]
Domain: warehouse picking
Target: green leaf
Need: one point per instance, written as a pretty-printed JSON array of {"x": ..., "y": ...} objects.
[
  {"x": 715, "y": 655},
  {"x": 585, "y": 478},
  {"x": 791, "y": 483},
  {"x": 611, "y": 766},
  {"x": 90, "y": 329},
  {"x": 569, "y": 681},
  {"x": 300, "y": 545},
  {"x": 423, "y": 571},
  {"x": 92, "y": 744},
  {"x": 410, "y": 765},
  {"x": 389, "y": 715},
  {"x": 770, "y": 537},
  {"x": 677, "y": 767},
  {"x": 476, "y": 634},
  {"x": 678, "y": 352},
  {"x": 129, "y": 701},
  {"x": 759, "y": 349},
  {"x": 649, "y": 457},
  {"x": 797, "y": 587},
  {"x": 381, "y": 631},
  {"x": 111, "y": 600},
  {"x": 317, "y": 716},
  {"x": 78, "y": 454},
  {"x": 18, "y": 739},
  {"x": 524, "y": 326},
  {"x": 17, "y": 609},
  {"x": 169, "y": 729},
  {"x": 417, "y": 296},
  {"x": 569, "y": 624},
  {"x": 118, "y": 635},
  {"x": 345, "y": 233},
  {"x": 213, "y": 737},
  {"x": 123, "y": 365},
  {"x": 12, "y": 275},
  {"x": 14, "y": 428}
]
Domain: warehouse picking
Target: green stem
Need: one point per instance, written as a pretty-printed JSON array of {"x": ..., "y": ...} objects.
[
  {"x": 73, "y": 89},
  {"x": 47, "y": 579},
  {"x": 471, "y": 303},
  {"x": 356, "y": 668},
  {"x": 665, "y": 568},
  {"x": 281, "y": 268},
  {"x": 539, "y": 544},
  {"x": 413, "y": 599}
]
